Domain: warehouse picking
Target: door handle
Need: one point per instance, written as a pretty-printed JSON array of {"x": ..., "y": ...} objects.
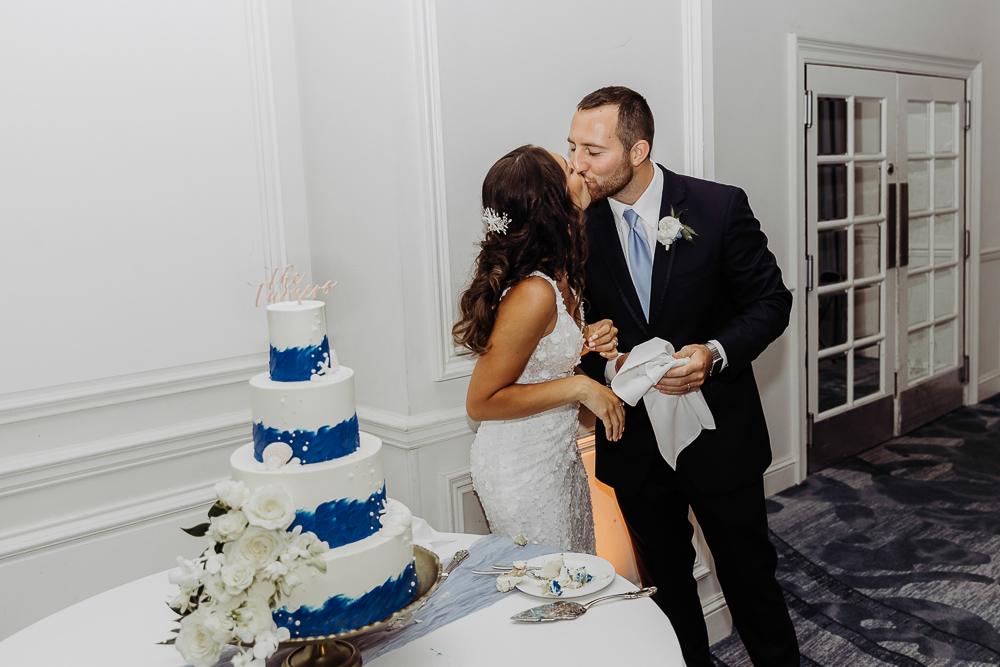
[
  {"x": 891, "y": 232},
  {"x": 904, "y": 224}
]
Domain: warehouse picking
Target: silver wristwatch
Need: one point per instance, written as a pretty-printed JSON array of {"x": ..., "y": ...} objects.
[{"x": 716, "y": 366}]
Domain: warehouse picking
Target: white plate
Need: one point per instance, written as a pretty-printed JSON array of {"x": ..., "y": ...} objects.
[{"x": 595, "y": 565}]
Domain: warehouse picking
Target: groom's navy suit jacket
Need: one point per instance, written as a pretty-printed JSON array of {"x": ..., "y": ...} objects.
[{"x": 725, "y": 286}]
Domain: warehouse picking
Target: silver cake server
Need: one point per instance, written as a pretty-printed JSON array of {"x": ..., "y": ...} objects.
[
  {"x": 400, "y": 621},
  {"x": 564, "y": 610}
]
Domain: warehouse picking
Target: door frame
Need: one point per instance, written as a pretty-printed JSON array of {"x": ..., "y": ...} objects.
[{"x": 804, "y": 51}]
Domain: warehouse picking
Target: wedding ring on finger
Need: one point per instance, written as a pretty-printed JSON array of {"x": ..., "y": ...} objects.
[{"x": 614, "y": 342}]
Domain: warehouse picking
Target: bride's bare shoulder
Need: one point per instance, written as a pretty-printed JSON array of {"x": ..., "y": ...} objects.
[{"x": 532, "y": 298}]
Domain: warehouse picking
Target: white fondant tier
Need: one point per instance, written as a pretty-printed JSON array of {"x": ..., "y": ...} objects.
[
  {"x": 355, "y": 569},
  {"x": 355, "y": 477},
  {"x": 308, "y": 406},
  {"x": 294, "y": 324}
]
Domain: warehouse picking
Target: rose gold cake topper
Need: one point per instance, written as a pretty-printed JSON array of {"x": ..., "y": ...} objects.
[{"x": 283, "y": 285}]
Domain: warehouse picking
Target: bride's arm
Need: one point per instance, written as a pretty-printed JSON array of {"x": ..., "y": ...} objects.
[{"x": 525, "y": 315}]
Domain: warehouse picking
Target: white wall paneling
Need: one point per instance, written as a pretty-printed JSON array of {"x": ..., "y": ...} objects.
[{"x": 141, "y": 169}]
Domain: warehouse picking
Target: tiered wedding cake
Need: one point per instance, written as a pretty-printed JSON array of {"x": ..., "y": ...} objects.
[{"x": 306, "y": 440}]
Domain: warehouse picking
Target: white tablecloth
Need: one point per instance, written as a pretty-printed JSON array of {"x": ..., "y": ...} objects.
[{"x": 121, "y": 628}]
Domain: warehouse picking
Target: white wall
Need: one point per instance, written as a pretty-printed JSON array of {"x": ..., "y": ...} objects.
[
  {"x": 158, "y": 155},
  {"x": 138, "y": 181}
]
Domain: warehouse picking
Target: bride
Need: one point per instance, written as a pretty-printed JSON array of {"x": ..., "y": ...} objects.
[{"x": 522, "y": 314}]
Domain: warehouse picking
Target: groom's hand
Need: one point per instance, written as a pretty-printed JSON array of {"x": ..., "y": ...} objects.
[{"x": 685, "y": 379}]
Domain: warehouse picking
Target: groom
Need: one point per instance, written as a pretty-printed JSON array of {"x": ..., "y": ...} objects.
[{"x": 719, "y": 298}]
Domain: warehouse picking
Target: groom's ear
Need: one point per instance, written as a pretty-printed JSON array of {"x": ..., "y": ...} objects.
[{"x": 639, "y": 152}]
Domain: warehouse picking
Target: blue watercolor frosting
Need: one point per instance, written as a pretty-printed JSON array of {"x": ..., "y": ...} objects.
[
  {"x": 342, "y": 613},
  {"x": 343, "y": 521},
  {"x": 330, "y": 442},
  {"x": 297, "y": 364}
]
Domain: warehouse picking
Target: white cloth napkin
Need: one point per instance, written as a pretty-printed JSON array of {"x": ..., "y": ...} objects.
[{"x": 676, "y": 420}]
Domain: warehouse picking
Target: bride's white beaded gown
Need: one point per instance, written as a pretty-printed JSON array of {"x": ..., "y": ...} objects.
[{"x": 528, "y": 472}]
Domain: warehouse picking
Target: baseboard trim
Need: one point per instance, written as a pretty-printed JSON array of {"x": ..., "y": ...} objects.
[
  {"x": 718, "y": 620},
  {"x": 780, "y": 475},
  {"x": 62, "y": 399},
  {"x": 989, "y": 385}
]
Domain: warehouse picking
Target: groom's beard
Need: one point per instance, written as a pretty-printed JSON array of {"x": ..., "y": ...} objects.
[{"x": 614, "y": 184}]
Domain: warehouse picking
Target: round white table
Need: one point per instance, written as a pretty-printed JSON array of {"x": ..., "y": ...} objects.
[{"x": 121, "y": 628}]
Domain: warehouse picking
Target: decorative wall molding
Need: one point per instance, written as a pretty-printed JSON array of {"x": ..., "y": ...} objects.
[
  {"x": 823, "y": 52},
  {"x": 697, "y": 100},
  {"x": 697, "y": 85},
  {"x": 145, "y": 448},
  {"x": 456, "y": 484},
  {"x": 989, "y": 255},
  {"x": 87, "y": 525},
  {"x": 409, "y": 432},
  {"x": 450, "y": 364},
  {"x": 63, "y": 399},
  {"x": 266, "y": 134}
]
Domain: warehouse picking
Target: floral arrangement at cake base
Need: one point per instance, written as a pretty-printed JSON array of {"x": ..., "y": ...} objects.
[{"x": 228, "y": 593}]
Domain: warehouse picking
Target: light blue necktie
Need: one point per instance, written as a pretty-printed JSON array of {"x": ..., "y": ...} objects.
[{"x": 640, "y": 260}]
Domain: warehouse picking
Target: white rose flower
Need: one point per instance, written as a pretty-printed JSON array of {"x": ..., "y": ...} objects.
[
  {"x": 228, "y": 527},
  {"x": 257, "y": 546},
  {"x": 237, "y": 576},
  {"x": 220, "y": 623},
  {"x": 270, "y": 507},
  {"x": 232, "y": 493},
  {"x": 668, "y": 230},
  {"x": 196, "y": 641},
  {"x": 253, "y": 618}
]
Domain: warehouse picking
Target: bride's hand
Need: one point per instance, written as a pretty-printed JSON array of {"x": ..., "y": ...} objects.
[
  {"x": 605, "y": 404},
  {"x": 601, "y": 337}
]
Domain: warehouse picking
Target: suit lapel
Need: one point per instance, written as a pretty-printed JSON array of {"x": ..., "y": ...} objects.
[
  {"x": 663, "y": 259},
  {"x": 605, "y": 234}
]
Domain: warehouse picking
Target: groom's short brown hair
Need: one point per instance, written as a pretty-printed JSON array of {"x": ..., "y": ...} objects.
[{"x": 635, "y": 120}]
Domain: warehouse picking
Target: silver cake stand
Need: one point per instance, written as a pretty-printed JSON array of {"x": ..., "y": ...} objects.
[{"x": 334, "y": 651}]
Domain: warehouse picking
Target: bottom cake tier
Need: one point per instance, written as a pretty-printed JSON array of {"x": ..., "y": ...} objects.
[{"x": 364, "y": 582}]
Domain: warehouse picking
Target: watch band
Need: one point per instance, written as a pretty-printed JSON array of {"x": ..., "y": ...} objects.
[{"x": 716, "y": 366}]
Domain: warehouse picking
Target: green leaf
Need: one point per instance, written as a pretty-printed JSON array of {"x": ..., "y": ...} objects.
[
  {"x": 197, "y": 531},
  {"x": 218, "y": 509},
  {"x": 168, "y": 642}
]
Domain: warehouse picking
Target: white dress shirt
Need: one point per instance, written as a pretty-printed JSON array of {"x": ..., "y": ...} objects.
[{"x": 648, "y": 209}]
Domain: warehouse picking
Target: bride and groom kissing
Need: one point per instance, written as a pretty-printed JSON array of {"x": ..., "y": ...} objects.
[{"x": 571, "y": 276}]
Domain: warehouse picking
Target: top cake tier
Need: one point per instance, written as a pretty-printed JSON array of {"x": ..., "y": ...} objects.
[{"x": 299, "y": 347}]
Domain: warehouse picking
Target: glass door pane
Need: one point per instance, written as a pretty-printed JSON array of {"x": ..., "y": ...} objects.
[
  {"x": 930, "y": 285},
  {"x": 850, "y": 337}
]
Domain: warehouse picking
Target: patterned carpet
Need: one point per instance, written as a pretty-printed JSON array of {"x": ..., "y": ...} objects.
[{"x": 892, "y": 557}]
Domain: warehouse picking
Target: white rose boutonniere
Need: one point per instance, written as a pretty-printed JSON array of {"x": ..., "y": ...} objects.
[{"x": 671, "y": 228}]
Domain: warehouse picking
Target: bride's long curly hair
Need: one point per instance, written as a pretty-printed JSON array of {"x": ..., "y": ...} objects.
[{"x": 545, "y": 233}]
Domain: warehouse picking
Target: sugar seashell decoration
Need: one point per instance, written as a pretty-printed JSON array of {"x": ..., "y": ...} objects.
[{"x": 276, "y": 455}]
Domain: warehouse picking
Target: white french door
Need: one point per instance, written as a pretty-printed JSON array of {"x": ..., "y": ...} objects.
[{"x": 884, "y": 174}]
